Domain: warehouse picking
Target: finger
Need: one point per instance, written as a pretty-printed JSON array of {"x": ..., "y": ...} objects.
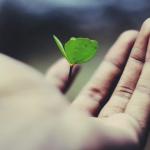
[
  {"x": 57, "y": 75},
  {"x": 97, "y": 90},
  {"x": 139, "y": 105},
  {"x": 129, "y": 79}
]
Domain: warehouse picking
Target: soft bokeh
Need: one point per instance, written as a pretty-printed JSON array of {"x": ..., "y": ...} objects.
[{"x": 27, "y": 26}]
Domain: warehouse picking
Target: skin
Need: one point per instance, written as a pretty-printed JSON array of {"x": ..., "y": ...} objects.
[{"x": 111, "y": 112}]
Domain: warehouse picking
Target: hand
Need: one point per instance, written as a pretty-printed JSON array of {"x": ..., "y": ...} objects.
[{"x": 110, "y": 113}]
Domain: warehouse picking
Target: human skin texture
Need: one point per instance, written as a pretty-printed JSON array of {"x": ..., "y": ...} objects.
[{"x": 111, "y": 112}]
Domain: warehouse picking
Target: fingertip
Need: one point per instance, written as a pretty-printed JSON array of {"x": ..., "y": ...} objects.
[
  {"x": 57, "y": 74},
  {"x": 128, "y": 36}
]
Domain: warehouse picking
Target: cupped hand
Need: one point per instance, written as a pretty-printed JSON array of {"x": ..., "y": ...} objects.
[{"x": 111, "y": 112}]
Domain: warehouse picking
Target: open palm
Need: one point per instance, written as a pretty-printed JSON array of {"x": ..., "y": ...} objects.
[{"x": 111, "y": 112}]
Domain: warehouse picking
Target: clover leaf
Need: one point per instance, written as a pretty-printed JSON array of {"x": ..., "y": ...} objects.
[{"x": 77, "y": 50}]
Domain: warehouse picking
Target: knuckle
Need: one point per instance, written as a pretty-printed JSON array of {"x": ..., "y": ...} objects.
[
  {"x": 96, "y": 94},
  {"x": 137, "y": 58},
  {"x": 124, "y": 91}
]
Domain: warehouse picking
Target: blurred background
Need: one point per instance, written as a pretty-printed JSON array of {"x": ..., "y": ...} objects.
[{"x": 27, "y": 26}]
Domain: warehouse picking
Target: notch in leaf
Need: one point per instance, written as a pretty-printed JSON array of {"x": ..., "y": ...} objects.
[{"x": 77, "y": 50}]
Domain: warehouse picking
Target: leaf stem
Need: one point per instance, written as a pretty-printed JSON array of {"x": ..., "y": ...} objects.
[{"x": 70, "y": 72}]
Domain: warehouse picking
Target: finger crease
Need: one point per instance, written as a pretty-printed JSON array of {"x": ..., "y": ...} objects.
[
  {"x": 138, "y": 59},
  {"x": 124, "y": 91},
  {"x": 96, "y": 94}
]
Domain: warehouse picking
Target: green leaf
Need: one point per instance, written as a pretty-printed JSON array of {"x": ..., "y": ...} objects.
[
  {"x": 60, "y": 46},
  {"x": 80, "y": 50}
]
